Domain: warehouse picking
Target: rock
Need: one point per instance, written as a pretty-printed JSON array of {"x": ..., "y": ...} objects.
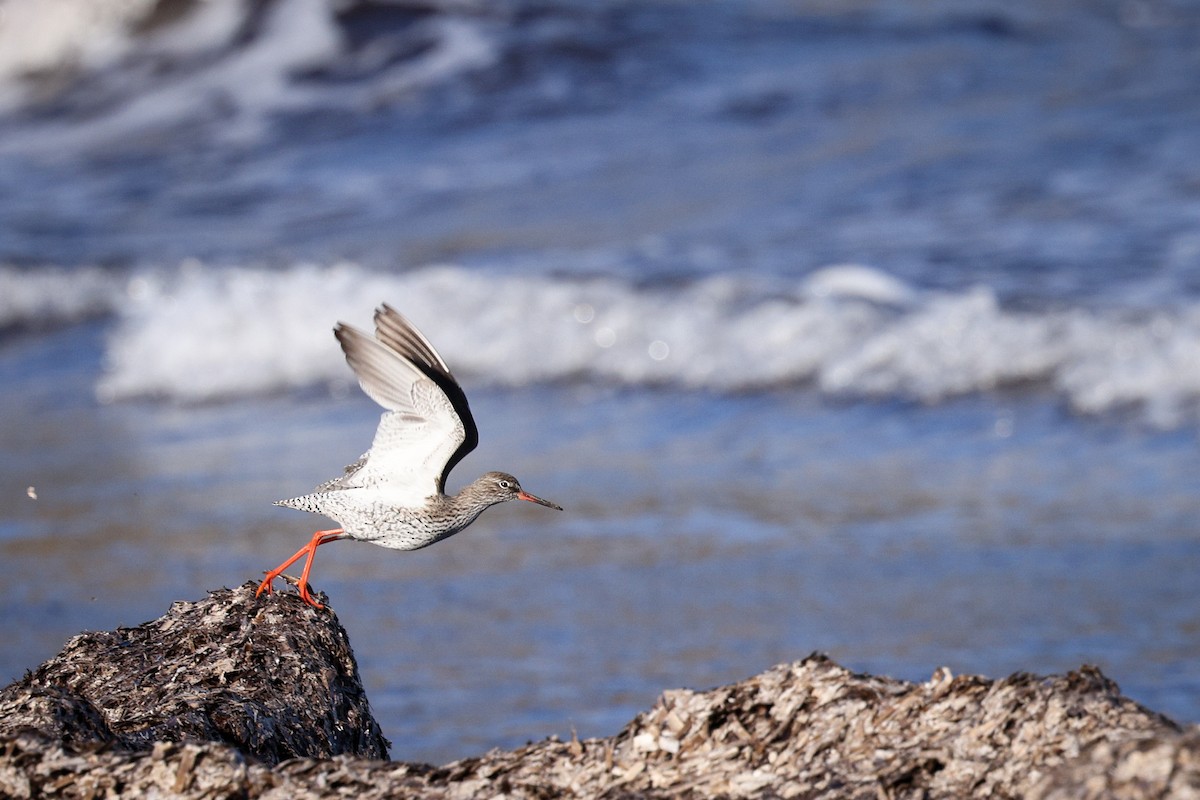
[
  {"x": 270, "y": 677},
  {"x": 1128, "y": 769},
  {"x": 815, "y": 729},
  {"x": 135, "y": 712}
]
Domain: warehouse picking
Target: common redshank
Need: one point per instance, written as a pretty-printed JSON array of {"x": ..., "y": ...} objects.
[{"x": 395, "y": 494}]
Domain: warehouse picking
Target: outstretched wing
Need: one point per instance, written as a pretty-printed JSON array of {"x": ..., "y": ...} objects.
[{"x": 428, "y": 427}]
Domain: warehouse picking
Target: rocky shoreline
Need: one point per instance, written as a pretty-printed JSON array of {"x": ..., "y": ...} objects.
[{"x": 233, "y": 696}]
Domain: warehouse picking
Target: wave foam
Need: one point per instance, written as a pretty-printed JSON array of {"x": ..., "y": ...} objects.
[
  {"x": 37, "y": 298},
  {"x": 127, "y": 66},
  {"x": 202, "y": 333}
]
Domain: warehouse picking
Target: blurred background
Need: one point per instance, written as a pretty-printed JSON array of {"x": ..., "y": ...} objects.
[{"x": 863, "y": 327}]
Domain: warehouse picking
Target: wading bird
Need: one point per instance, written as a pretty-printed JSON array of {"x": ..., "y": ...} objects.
[{"x": 395, "y": 494}]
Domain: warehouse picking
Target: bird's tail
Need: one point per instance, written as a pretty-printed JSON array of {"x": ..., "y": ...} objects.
[{"x": 302, "y": 503}]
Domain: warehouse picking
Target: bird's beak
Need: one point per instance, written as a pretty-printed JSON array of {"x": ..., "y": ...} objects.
[{"x": 534, "y": 499}]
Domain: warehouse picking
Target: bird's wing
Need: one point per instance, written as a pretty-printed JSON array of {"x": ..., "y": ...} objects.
[
  {"x": 393, "y": 329},
  {"x": 428, "y": 427},
  {"x": 401, "y": 336}
]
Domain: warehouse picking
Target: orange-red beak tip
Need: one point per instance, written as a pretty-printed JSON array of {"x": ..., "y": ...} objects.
[{"x": 535, "y": 499}]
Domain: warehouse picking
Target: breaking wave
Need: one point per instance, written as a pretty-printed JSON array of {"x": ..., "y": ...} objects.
[
  {"x": 201, "y": 333},
  {"x": 127, "y": 67}
]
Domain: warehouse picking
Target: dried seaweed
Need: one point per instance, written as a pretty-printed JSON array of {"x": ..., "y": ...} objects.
[
  {"x": 268, "y": 676},
  {"x": 136, "y": 712}
]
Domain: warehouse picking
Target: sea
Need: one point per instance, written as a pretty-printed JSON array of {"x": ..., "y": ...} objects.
[{"x": 862, "y": 327}]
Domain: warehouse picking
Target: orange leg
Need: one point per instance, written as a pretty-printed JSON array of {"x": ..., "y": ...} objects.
[{"x": 309, "y": 550}]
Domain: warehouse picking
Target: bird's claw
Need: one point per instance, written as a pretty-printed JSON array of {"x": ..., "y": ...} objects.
[
  {"x": 308, "y": 599},
  {"x": 302, "y": 588}
]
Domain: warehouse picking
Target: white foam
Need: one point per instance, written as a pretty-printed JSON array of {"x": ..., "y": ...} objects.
[
  {"x": 253, "y": 81},
  {"x": 53, "y": 295},
  {"x": 200, "y": 333},
  {"x": 41, "y": 36},
  {"x": 206, "y": 66},
  {"x": 854, "y": 281},
  {"x": 949, "y": 345},
  {"x": 1150, "y": 364},
  {"x": 459, "y": 45}
]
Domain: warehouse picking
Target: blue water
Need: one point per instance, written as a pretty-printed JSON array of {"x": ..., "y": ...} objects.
[{"x": 873, "y": 330}]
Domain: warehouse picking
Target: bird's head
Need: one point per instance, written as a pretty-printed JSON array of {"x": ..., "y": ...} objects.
[{"x": 500, "y": 487}]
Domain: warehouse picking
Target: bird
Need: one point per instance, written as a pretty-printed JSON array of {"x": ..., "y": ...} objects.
[{"x": 394, "y": 495}]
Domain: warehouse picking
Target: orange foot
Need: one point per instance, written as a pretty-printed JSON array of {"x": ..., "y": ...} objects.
[{"x": 308, "y": 551}]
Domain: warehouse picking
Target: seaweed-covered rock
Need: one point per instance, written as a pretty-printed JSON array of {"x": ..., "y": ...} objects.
[
  {"x": 815, "y": 729},
  {"x": 269, "y": 676},
  {"x": 136, "y": 713},
  {"x": 1128, "y": 769}
]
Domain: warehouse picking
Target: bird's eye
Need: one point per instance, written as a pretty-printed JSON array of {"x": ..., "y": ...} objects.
[{"x": 504, "y": 484}]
